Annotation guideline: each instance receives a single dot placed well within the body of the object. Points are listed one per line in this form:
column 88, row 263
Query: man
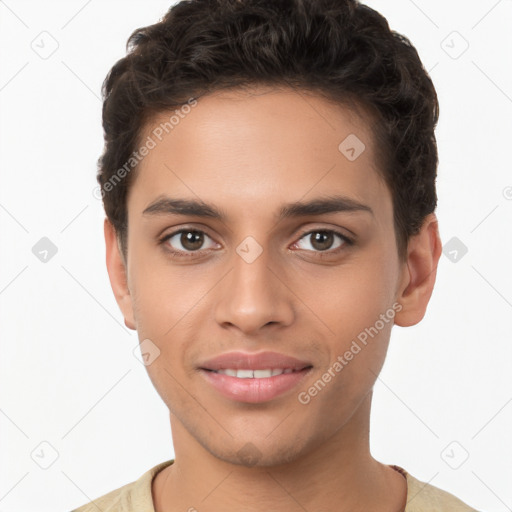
column 269, row 183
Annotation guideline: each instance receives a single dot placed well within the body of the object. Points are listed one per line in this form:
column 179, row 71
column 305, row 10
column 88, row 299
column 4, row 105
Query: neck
column 339, row 474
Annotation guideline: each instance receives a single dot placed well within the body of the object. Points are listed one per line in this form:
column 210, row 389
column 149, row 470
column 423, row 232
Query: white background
column 68, row 374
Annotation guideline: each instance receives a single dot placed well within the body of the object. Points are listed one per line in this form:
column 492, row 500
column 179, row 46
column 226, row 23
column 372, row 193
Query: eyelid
column 336, row 231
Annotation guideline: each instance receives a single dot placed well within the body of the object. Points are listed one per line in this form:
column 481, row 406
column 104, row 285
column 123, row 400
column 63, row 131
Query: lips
column 254, row 378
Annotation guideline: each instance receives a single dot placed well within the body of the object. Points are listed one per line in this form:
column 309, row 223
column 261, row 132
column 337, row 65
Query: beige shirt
column 137, row 497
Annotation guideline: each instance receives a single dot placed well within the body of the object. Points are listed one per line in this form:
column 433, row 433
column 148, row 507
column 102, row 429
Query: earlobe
column 423, row 253
column 118, row 275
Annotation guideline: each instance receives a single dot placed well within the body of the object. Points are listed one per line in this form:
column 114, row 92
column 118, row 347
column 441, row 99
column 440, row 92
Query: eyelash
column 193, row 254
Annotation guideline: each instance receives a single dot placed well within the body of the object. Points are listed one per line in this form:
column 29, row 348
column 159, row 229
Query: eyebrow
column 319, row 206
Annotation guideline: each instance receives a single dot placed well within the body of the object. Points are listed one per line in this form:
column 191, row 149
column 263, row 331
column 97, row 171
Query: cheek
column 352, row 296
column 164, row 315
column 162, row 294
column 356, row 302
column 169, row 308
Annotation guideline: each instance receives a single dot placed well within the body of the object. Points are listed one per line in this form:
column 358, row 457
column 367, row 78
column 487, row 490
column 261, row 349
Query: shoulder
column 135, row 496
column 423, row 497
column 108, row 502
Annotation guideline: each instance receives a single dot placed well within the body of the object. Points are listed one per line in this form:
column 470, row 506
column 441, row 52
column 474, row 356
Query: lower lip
column 254, row 390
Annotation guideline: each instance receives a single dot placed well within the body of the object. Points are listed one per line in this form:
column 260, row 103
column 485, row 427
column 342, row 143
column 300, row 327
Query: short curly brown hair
column 340, row 49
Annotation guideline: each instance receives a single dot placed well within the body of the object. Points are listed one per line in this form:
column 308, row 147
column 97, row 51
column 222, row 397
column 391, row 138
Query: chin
column 253, row 455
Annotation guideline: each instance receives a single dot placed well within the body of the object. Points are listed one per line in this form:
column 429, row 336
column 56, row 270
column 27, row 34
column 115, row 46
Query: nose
column 254, row 296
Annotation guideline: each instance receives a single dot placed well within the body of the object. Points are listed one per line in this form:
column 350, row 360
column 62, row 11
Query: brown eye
column 191, row 240
column 323, row 240
column 188, row 241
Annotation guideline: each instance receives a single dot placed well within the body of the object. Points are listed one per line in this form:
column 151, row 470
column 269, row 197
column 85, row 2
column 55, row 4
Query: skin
column 248, row 154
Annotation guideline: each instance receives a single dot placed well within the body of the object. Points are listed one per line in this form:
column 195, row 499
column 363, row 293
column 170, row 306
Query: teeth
column 262, row 374
column 253, row 374
column 244, row 374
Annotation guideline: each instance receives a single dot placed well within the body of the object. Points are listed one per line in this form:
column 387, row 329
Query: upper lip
column 253, row 361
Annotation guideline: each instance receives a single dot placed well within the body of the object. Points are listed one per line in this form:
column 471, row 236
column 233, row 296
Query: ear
column 117, row 274
column 419, row 273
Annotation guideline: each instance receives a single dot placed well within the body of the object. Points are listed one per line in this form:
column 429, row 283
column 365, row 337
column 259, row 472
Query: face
column 270, row 265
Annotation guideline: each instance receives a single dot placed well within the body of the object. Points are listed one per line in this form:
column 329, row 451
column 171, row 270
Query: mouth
column 254, row 377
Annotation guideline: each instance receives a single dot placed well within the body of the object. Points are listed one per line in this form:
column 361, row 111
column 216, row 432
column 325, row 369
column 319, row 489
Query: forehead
column 265, row 143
